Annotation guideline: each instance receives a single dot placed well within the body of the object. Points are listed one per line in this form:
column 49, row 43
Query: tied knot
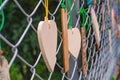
column 63, row 4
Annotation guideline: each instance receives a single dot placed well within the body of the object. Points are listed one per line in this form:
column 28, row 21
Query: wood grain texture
column 65, row 39
column 95, row 26
column 74, row 41
column 47, row 37
column 84, row 62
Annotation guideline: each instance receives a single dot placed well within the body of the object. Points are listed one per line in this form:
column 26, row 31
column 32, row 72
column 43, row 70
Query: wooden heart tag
column 83, row 46
column 113, row 18
column 74, row 41
column 65, row 39
column 95, row 26
column 47, row 37
column 110, row 40
column 108, row 7
column 4, row 69
column 103, row 18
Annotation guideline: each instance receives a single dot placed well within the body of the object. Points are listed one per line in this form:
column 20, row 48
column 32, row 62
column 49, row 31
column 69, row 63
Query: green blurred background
column 15, row 24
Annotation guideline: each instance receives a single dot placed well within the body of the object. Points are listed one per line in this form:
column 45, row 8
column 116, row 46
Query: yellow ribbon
column 46, row 9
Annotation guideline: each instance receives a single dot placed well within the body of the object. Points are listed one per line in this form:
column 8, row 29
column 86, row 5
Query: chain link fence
column 100, row 63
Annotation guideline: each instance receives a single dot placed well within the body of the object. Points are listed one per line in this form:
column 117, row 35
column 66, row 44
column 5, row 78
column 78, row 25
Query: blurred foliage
column 15, row 24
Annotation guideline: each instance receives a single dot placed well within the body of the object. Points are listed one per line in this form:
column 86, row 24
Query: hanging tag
column 103, row 18
column 47, row 37
column 113, row 18
column 4, row 69
column 65, row 39
column 74, row 41
column 95, row 27
column 110, row 40
column 83, row 42
column 108, row 7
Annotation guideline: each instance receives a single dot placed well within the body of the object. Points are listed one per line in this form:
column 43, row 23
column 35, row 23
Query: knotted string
column 63, row 5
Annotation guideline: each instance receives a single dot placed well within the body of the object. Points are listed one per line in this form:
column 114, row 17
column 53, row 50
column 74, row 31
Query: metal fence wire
column 100, row 63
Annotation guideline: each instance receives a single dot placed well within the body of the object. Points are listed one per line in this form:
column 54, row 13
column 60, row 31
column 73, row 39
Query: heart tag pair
column 74, row 41
column 4, row 69
column 47, row 37
column 95, row 26
column 71, row 40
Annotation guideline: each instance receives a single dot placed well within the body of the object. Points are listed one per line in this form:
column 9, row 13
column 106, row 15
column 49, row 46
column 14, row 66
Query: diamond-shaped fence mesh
column 23, row 52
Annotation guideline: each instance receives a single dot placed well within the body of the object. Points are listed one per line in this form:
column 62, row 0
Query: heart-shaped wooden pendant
column 103, row 18
column 4, row 69
column 65, row 39
column 47, row 37
column 110, row 40
column 108, row 7
column 83, row 49
column 95, row 26
column 113, row 18
column 74, row 41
